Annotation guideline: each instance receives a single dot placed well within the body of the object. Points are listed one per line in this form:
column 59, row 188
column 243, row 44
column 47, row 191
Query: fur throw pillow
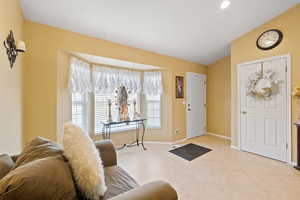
column 85, row 162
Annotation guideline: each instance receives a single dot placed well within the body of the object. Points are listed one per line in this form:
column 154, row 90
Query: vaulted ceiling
column 194, row 30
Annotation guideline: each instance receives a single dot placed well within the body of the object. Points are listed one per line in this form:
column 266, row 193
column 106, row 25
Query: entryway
column 264, row 122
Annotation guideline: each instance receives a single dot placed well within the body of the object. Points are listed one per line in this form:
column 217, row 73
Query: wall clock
column 269, row 39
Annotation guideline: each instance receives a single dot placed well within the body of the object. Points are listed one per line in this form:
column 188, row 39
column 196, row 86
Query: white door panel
column 196, row 104
column 263, row 122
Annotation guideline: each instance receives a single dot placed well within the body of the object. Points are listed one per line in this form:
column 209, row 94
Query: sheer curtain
column 83, row 79
column 106, row 80
column 152, row 84
column 80, row 84
column 80, row 77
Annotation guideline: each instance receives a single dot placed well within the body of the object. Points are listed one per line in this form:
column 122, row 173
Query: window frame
column 85, row 109
column 142, row 108
column 160, row 114
column 90, row 111
column 120, row 129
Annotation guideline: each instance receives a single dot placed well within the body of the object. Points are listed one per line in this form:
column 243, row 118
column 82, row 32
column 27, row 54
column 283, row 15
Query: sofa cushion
column 6, row 164
column 36, row 149
column 46, row 179
column 118, row 181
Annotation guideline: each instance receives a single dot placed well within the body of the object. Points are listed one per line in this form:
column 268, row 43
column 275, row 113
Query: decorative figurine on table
column 136, row 115
column 109, row 111
column 123, row 103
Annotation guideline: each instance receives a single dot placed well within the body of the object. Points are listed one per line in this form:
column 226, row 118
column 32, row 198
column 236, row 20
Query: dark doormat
column 190, row 151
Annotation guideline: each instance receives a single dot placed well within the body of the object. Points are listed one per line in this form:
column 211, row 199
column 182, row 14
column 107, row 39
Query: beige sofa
column 121, row 186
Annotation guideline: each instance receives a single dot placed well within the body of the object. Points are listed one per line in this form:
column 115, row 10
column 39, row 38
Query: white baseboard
column 220, row 136
column 234, row 147
column 289, row 163
column 167, row 143
column 184, row 139
column 180, row 141
column 157, row 142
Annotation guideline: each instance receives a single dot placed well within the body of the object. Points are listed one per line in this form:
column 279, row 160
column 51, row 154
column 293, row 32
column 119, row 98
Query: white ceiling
column 114, row 62
column 194, row 30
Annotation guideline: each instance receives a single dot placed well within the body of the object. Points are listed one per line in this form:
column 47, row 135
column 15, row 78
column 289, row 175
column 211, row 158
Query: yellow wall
column 218, row 97
column 10, row 80
column 41, row 76
column 244, row 49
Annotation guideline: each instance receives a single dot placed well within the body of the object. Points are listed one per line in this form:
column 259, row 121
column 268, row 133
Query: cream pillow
column 85, row 161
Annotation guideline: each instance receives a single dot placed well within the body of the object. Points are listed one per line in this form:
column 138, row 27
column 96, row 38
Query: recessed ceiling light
column 225, row 4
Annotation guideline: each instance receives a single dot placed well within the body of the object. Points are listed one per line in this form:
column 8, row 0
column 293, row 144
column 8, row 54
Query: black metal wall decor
column 11, row 48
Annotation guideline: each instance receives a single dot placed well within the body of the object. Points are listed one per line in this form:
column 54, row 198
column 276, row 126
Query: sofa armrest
column 107, row 152
column 152, row 191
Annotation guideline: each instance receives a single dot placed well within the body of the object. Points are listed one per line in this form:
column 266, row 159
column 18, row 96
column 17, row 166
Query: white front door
column 263, row 123
column 196, row 104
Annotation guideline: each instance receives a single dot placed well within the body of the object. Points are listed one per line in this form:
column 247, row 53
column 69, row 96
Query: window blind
column 153, row 111
column 79, row 110
column 101, row 110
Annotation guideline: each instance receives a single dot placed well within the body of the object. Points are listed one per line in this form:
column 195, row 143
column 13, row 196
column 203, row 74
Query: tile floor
column 222, row 174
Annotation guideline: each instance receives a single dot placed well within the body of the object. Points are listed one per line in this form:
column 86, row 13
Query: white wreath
column 262, row 85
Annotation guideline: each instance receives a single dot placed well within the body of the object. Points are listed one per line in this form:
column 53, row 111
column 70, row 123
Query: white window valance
column 107, row 80
column 152, row 84
column 83, row 79
column 80, row 77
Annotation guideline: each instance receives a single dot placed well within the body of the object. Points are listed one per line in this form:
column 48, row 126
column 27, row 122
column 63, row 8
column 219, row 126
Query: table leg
column 106, row 132
column 109, row 131
column 103, row 132
column 298, row 149
column 143, row 125
column 122, row 147
column 137, row 134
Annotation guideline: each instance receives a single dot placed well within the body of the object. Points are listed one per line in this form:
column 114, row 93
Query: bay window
column 91, row 88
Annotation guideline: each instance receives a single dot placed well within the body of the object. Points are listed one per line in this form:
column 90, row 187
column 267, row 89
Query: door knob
column 189, row 109
column 244, row 112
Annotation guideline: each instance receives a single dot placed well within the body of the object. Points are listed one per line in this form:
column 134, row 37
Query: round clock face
column 269, row 39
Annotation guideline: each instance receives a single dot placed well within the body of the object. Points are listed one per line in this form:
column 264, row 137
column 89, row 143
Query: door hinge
column 286, row 145
column 285, row 68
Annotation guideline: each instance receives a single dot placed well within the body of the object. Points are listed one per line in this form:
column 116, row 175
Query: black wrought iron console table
column 139, row 123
